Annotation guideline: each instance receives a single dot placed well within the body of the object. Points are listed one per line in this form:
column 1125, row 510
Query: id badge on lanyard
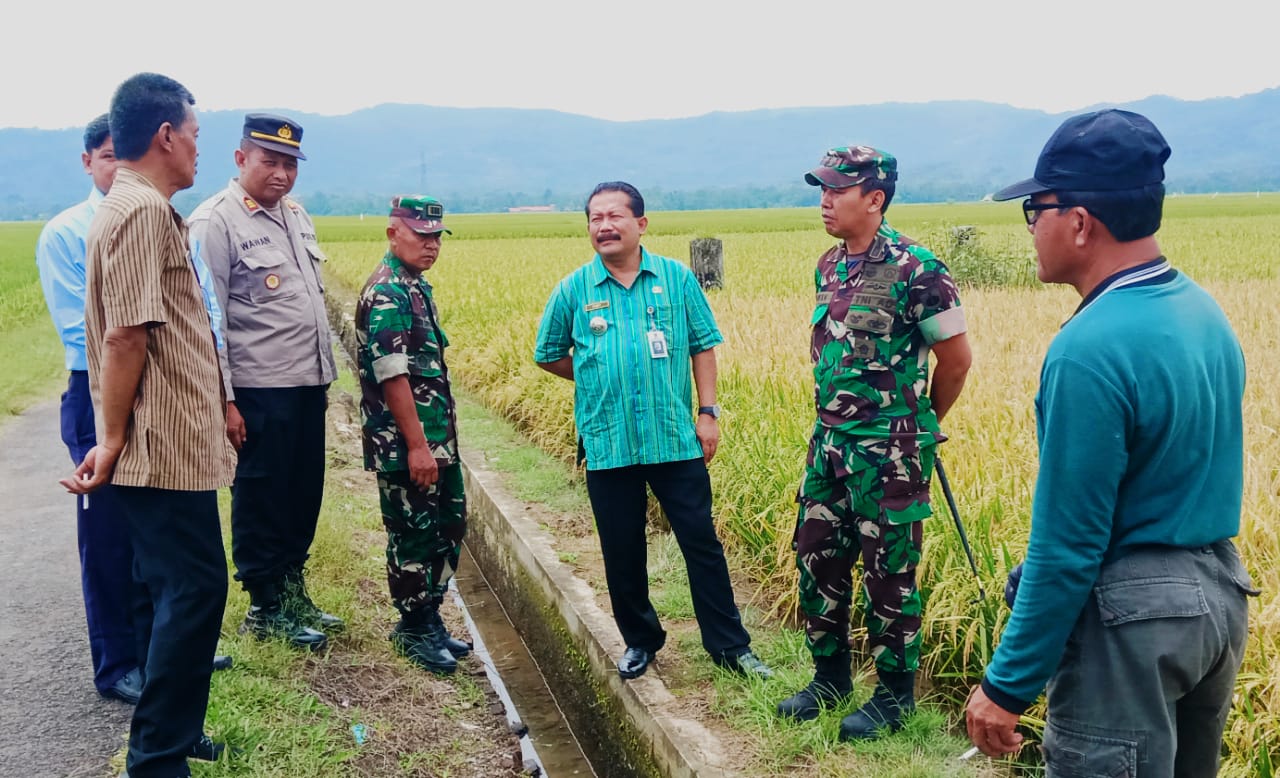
column 657, row 338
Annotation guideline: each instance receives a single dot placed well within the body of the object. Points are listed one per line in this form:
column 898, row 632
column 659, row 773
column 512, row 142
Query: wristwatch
column 711, row 410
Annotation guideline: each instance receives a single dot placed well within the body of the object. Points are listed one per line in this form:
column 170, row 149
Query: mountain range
column 490, row 159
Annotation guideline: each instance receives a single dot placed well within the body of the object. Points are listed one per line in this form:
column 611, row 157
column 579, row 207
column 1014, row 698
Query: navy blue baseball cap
column 1103, row 151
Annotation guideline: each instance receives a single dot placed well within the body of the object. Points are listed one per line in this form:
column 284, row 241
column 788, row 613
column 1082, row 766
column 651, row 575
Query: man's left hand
column 708, row 430
column 991, row 728
column 94, row 472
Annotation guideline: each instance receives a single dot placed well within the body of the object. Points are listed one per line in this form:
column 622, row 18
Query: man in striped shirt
column 626, row 329
column 157, row 395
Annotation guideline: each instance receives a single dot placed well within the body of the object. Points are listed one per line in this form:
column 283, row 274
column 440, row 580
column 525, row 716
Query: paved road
column 52, row 721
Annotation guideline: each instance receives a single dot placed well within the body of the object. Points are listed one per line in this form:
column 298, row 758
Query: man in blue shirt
column 626, row 329
column 1132, row 604
column 106, row 559
column 106, row 556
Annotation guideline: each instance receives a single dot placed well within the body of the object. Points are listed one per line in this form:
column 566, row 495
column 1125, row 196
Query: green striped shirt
column 630, row 407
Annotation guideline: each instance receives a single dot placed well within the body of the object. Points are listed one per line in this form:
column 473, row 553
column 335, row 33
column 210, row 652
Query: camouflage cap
column 424, row 215
column 277, row 133
column 846, row 166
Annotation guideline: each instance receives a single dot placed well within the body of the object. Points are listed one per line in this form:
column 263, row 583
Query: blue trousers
column 106, row 556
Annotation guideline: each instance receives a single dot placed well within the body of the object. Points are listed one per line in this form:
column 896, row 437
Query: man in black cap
column 261, row 249
column 1131, row 607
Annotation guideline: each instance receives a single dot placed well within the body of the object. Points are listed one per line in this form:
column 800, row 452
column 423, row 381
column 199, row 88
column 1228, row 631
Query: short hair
column 1129, row 214
column 888, row 187
column 636, row 201
column 96, row 133
column 140, row 105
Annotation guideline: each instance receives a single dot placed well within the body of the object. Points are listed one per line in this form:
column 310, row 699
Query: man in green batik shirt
column 883, row 303
column 632, row 330
column 410, row 431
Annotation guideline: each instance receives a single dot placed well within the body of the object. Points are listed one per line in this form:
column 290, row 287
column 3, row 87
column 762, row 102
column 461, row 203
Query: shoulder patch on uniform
column 250, row 204
column 292, row 205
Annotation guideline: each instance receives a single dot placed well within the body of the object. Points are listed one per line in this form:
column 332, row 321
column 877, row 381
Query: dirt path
column 52, row 721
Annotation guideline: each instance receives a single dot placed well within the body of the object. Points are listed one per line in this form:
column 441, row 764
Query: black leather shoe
column 127, row 689
column 634, row 662
column 222, row 662
column 746, row 663
column 206, row 750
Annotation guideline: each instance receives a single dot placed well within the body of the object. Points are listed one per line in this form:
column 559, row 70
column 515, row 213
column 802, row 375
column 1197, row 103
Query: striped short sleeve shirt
column 139, row 272
column 632, row 399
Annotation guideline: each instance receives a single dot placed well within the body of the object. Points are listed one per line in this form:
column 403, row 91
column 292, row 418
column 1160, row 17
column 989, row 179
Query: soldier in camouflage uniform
column 883, row 303
column 410, row 431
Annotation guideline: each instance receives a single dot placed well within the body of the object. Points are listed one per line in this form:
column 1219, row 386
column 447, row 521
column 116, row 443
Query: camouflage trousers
column 874, row 512
column 424, row 535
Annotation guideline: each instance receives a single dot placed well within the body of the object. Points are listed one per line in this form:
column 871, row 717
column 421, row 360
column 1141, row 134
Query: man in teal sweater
column 1132, row 604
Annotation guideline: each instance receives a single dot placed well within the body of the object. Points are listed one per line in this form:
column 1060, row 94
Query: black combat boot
column 893, row 699
column 267, row 617
column 451, row 644
column 300, row 607
column 418, row 640
column 831, row 684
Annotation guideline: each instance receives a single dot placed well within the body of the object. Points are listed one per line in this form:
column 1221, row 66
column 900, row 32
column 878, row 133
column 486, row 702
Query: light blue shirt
column 632, row 402
column 60, row 253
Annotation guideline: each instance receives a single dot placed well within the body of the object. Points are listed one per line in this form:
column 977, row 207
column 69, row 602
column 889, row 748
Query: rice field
column 494, row 277
column 491, row 289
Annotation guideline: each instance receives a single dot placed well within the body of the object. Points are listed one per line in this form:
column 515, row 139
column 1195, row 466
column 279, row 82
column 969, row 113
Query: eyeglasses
column 1031, row 211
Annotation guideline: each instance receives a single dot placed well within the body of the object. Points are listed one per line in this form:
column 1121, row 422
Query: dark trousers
column 275, row 500
column 683, row 489
column 106, row 556
column 1145, row 683
column 178, row 558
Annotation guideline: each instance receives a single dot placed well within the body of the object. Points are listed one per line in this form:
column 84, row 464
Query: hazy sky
column 636, row 59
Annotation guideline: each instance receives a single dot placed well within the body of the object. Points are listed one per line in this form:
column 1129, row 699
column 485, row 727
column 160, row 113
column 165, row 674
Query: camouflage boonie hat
column 424, row 215
column 847, row 166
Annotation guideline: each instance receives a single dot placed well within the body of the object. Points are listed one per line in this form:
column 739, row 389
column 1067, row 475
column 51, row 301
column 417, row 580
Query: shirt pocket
column 318, row 258
column 427, row 361
column 672, row 320
column 268, row 276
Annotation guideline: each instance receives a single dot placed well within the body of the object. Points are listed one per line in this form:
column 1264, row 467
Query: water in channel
column 557, row 748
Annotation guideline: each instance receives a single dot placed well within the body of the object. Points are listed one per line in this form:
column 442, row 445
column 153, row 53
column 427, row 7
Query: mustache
column 608, row 236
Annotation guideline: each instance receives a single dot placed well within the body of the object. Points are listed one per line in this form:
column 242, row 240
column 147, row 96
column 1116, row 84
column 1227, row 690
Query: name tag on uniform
column 589, row 307
column 874, row 301
column 657, row 344
column 824, row 298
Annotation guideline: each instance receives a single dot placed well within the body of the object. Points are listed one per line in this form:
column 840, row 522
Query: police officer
column 261, row 248
column 883, row 302
column 410, row 431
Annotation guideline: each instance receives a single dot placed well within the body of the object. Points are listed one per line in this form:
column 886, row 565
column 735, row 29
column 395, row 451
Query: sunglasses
column 1031, row 211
